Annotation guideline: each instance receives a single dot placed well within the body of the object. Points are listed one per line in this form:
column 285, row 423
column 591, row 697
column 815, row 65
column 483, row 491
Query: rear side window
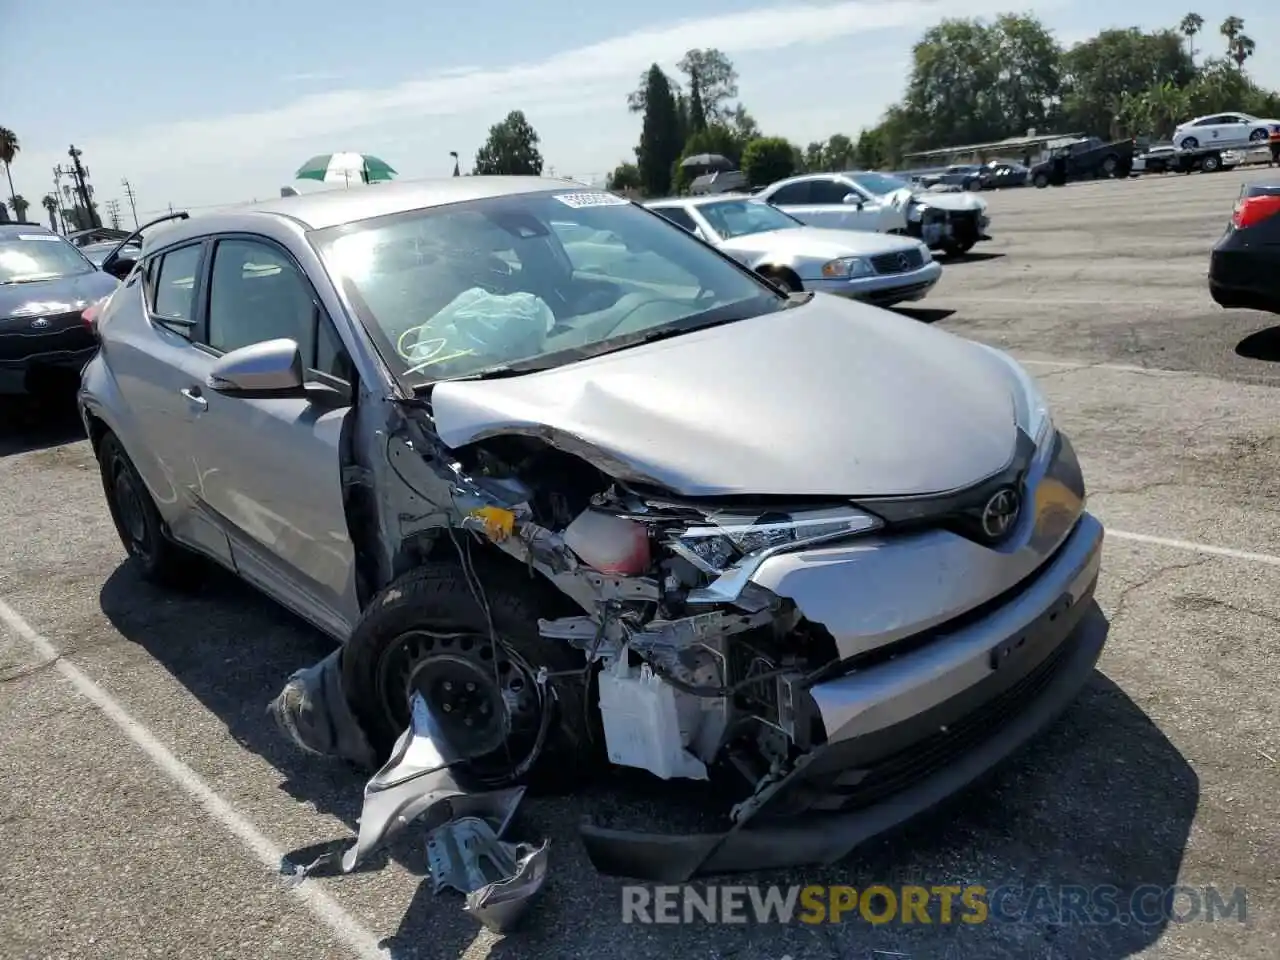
column 679, row 216
column 828, row 191
column 175, row 283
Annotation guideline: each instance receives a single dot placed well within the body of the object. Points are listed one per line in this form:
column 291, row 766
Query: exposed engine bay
column 696, row 665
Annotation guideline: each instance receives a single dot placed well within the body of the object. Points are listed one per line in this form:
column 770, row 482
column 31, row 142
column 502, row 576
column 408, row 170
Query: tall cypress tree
column 660, row 139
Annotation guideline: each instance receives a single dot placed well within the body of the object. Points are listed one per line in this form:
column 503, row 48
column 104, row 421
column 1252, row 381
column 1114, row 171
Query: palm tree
column 9, row 147
column 1191, row 24
column 1242, row 47
column 18, row 204
column 1231, row 28
column 50, row 204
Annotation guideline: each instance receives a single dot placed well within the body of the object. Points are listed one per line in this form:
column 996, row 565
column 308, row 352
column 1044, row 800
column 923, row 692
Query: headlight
column 725, row 539
column 1031, row 409
column 846, row 268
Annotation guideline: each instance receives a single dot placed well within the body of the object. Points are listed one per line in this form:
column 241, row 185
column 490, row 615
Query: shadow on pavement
column 1262, row 345
column 1102, row 799
column 924, row 314
column 972, row 257
column 28, row 424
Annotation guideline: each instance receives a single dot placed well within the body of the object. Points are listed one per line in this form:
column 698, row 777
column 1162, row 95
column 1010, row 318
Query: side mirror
column 272, row 368
column 118, row 267
column 852, row 200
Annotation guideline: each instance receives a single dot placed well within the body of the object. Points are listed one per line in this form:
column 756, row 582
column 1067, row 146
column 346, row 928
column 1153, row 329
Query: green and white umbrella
column 345, row 168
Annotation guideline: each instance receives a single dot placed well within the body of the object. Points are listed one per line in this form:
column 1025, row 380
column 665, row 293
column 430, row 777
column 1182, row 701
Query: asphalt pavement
column 146, row 801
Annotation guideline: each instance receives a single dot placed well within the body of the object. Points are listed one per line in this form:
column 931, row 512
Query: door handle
column 193, row 397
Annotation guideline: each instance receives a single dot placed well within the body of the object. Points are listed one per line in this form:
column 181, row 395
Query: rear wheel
column 1110, row 165
column 1259, row 136
column 138, row 522
column 1211, row 163
column 958, row 249
column 1190, row 143
column 1040, row 181
column 427, row 634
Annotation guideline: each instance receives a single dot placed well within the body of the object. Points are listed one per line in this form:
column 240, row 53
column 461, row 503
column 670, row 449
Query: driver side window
column 828, row 191
column 257, row 293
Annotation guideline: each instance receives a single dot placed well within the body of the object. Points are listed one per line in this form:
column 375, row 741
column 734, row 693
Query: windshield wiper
column 499, row 372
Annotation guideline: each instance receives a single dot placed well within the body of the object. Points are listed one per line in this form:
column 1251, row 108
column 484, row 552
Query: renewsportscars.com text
column 937, row 904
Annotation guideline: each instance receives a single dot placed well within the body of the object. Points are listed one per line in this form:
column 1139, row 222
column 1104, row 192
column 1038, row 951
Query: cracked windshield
column 519, row 279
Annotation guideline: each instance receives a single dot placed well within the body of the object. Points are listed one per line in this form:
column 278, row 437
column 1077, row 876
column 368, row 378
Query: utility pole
column 133, row 199
column 79, row 173
column 171, row 206
column 58, row 174
column 456, row 171
column 113, row 211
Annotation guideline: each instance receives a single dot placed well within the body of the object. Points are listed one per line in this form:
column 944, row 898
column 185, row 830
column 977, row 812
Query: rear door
column 154, row 363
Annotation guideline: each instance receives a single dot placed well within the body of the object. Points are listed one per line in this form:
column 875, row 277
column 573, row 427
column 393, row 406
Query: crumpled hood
column 831, row 398
column 817, row 243
column 961, row 202
column 61, row 295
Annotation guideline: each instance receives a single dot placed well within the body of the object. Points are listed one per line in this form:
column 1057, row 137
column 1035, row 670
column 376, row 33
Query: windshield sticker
column 38, row 236
column 588, row 198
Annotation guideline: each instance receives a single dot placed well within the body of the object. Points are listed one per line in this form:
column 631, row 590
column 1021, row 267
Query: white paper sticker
column 592, row 198
column 38, row 236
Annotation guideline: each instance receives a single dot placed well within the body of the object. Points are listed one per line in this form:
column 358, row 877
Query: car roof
column 331, row 208
column 9, row 229
column 700, row 200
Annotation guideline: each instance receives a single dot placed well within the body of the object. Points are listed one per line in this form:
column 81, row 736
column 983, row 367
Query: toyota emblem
column 1001, row 513
column 904, row 262
column 40, row 323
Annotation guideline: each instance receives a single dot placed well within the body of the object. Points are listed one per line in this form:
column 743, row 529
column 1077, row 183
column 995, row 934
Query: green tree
column 697, row 114
column 815, row 157
column 1100, row 72
column 512, row 148
column 972, row 80
column 713, row 80
column 839, row 153
column 9, row 148
column 1242, row 48
column 660, row 135
column 50, row 204
column 1231, row 28
column 767, row 159
column 18, row 204
column 869, row 152
column 625, row 176
column 1191, row 24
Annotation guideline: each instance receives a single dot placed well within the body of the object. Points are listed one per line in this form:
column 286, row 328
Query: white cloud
column 220, row 158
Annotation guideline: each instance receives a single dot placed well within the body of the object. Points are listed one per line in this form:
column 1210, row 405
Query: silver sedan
column 879, row 268
column 584, row 508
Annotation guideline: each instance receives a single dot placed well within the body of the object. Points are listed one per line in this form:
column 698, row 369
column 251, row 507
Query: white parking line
column 1267, row 558
column 963, row 300
column 361, row 942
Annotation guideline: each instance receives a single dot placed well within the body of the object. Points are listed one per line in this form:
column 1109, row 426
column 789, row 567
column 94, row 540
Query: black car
column 1245, row 263
column 46, row 284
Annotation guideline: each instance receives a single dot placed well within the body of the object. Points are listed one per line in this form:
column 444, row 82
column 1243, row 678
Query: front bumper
column 883, row 289
column 16, row 373
column 923, row 704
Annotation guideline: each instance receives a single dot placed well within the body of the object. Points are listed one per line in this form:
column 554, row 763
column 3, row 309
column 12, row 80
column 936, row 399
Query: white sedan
column 879, row 268
column 868, row 200
column 1223, row 130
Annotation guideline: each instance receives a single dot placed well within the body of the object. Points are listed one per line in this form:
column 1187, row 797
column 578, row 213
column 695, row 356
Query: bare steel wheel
column 427, row 633
column 485, row 698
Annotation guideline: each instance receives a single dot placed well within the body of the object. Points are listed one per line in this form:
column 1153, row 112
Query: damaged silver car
column 596, row 494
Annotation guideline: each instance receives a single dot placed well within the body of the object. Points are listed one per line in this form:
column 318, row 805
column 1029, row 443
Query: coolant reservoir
column 609, row 544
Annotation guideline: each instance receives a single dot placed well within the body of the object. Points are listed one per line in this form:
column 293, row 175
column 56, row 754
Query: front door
column 272, row 468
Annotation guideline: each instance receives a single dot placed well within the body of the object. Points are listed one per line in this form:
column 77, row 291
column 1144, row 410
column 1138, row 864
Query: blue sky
column 208, row 103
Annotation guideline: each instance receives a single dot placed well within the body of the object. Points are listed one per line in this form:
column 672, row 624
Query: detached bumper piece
column 843, row 794
column 423, row 781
